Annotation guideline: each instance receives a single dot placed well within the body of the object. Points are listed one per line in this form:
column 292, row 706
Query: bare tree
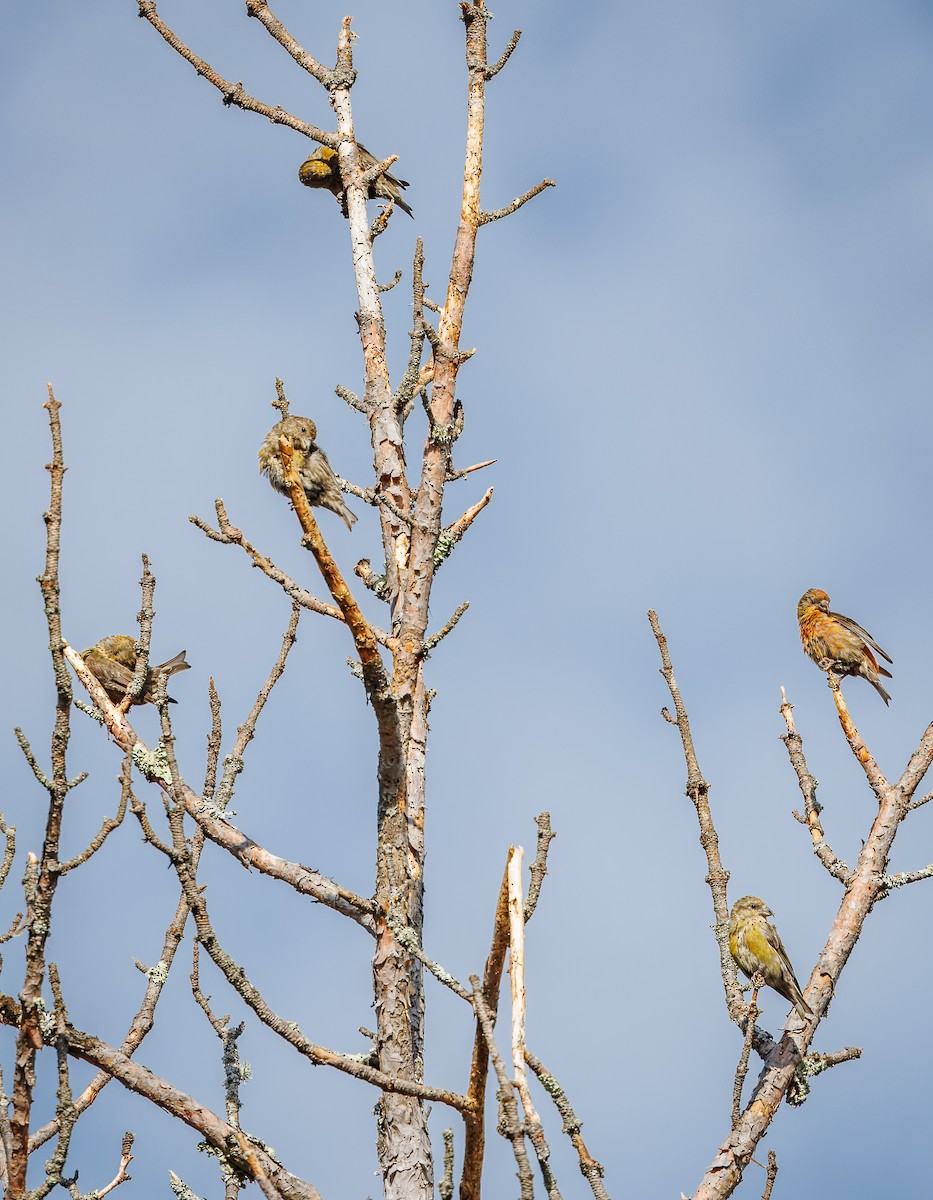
column 389, row 662
column 788, row 1062
column 177, row 818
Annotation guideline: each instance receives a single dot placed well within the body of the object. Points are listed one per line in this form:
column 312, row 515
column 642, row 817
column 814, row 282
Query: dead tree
column 789, row 1062
column 177, row 818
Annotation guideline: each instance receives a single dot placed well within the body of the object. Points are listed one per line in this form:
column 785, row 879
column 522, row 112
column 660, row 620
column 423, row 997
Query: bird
column 321, row 170
column 112, row 661
column 310, row 463
column 837, row 644
column 755, row 945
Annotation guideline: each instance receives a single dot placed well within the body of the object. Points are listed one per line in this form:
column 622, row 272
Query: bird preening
column 757, row 949
column 309, row 462
column 112, row 661
column 837, row 644
column 322, row 170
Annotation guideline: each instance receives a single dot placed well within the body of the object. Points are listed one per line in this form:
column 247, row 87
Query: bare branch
column 261, row 11
column 698, row 791
column 408, row 937
column 452, row 475
column 770, row 1175
column 453, row 533
column 108, row 825
column 436, row 638
column 445, row 1186
column 538, row 868
column 506, row 54
column 233, row 763
column 742, row 1069
column 812, row 808
column 496, row 214
column 233, row 93
column 352, row 399
column 591, row 1169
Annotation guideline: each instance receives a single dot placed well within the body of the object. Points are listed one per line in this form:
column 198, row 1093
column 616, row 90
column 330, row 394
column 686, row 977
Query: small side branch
column 435, row 639
column 492, row 71
column 230, row 535
column 233, row 764
column 902, row 878
column 814, row 1064
column 108, row 825
column 496, row 214
column 591, row 1169
column 742, row 1069
column 261, row 11
column 538, row 868
column 453, row 475
column 449, row 537
column 698, row 791
column 770, row 1175
column 812, row 808
column 445, row 1187
column 233, row 93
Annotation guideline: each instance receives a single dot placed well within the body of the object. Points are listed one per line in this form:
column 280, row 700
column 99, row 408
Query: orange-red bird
column 837, row 644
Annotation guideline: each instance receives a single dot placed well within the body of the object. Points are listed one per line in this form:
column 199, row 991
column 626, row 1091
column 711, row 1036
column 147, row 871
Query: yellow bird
column 321, row 170
column 756, row 947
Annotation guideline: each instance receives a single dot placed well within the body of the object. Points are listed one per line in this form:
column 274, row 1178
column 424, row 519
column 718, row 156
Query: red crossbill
column 321, row 170
column 837, row 644
column 755, row 945
column 310, row 463
column 113, row 660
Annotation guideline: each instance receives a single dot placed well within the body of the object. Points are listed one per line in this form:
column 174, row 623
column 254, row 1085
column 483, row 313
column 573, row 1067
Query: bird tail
column 174, row 665
column 349, row 518
column 876, row 684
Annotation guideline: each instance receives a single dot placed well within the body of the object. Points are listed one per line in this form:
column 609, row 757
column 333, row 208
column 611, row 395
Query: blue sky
column 703, row 366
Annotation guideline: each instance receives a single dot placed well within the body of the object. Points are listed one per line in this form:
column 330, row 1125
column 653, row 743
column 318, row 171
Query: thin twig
column 462, row 474
column 496, row 214
column 445, row 1186
column 590, row 1168
column 233, row 93
column 233, row 763
column 697, row 790
column 742, row 1069
column 491, row 72
column 538, row 868
column 449, row 537
column 812, row 808
column 770, row 1175
column 509, row 1125
column 435, row 639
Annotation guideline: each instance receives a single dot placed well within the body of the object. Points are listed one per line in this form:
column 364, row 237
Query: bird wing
column 854, row 627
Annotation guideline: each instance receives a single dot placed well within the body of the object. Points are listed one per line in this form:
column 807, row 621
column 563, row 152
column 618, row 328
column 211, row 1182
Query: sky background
column 703, row 365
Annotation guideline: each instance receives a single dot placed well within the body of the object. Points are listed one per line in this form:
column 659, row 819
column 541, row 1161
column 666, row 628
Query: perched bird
column 837, row 644
column 321, row 170
column 112, row 661
column 310, row 462
column 755, row 945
